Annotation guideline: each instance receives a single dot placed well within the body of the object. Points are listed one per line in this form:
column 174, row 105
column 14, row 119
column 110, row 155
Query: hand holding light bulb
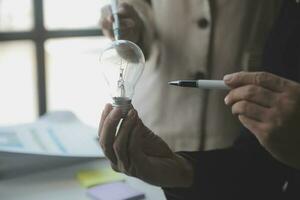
column 136, row 151
column 131, row 25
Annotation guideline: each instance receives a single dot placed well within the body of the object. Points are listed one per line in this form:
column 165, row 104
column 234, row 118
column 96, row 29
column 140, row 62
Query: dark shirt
column 247, row 170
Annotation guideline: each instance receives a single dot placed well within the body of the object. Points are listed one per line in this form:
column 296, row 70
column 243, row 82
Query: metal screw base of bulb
column 123, row 103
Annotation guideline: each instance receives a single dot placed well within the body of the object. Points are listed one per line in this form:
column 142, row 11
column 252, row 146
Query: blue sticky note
column 115, row 191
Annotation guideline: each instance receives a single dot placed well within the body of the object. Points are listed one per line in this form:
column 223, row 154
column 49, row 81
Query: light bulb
column 122, row 64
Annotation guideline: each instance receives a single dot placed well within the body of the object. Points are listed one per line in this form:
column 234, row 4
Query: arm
column 245, row 170
column 269, row 106
column 136, row 151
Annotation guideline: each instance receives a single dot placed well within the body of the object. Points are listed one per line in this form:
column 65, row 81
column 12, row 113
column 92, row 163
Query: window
column 80, row 14
column 74, row 81
column 16, row 15
column 49, row 57
column 18, row 100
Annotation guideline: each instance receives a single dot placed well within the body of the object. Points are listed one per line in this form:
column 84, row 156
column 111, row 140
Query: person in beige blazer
column 192, row 39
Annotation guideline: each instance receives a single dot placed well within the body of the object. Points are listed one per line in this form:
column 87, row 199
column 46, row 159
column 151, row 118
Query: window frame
column 38, row 35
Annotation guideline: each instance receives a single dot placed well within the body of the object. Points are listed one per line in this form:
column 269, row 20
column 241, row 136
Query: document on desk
column 58, row 136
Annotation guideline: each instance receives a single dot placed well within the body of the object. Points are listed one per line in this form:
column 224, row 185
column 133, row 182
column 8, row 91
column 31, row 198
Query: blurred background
column 49, row 55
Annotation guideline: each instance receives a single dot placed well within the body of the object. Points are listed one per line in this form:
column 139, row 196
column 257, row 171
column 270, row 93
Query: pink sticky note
column 115, row 191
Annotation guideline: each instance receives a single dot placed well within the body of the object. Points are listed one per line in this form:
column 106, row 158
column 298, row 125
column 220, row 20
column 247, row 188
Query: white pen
column 202, row 84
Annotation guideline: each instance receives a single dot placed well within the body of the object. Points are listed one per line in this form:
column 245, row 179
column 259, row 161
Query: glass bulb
column 122, row 64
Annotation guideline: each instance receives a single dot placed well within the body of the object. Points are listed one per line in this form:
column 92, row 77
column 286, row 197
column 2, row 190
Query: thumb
column 153, row 145
column 135, row 144
column 156, row 147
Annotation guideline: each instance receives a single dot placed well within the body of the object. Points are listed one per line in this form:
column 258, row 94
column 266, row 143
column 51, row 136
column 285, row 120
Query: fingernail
column 226, row 100
column 228, row 77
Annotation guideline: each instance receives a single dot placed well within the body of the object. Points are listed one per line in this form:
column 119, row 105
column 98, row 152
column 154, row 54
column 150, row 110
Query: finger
column 259, row 129
column 114, row 167
column 105, row 113
column 125, row 24
column 108, row 132
column 121, row 142
column 124, row 10
column 106, row 24
column 109, row 34
column 264, row 79
column 106, row 27
column 252, row 93
column 137, row 157
column 105, row 13
column 251, row 110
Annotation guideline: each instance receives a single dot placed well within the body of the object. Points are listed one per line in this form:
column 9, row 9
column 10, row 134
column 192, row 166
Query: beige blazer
column 193, row 39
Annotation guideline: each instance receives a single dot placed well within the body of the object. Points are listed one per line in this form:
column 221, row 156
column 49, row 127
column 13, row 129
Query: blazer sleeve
column 145, row 11
column 245, row 168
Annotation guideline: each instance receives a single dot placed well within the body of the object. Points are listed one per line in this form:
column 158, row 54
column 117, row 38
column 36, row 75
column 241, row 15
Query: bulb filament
column 121, row 79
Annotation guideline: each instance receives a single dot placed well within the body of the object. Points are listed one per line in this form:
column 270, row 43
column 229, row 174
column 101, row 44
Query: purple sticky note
column 115, row 191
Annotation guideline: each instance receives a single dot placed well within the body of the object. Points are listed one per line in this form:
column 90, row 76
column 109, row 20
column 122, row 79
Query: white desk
column 61, row 184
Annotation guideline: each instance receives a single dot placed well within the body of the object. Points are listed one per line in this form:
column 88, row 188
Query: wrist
column 186, row 174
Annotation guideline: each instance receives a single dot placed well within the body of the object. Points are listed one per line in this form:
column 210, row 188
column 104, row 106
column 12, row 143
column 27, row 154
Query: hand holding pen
column 129, row 25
